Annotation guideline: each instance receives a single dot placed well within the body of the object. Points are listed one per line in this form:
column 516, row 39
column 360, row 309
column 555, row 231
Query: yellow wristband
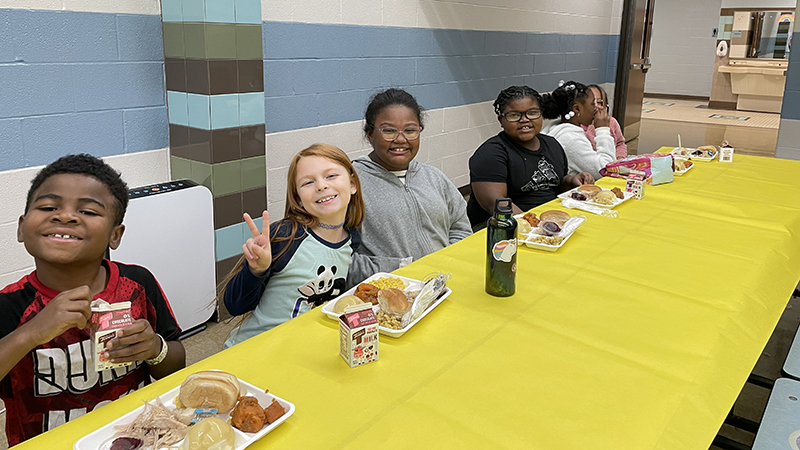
column 161, row 355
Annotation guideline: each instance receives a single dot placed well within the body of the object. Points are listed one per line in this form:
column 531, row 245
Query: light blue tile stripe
column 171, row 11
column 228, row 241
column 319, row 74
column 248, row 11
column 220, row 11
column 215, row 112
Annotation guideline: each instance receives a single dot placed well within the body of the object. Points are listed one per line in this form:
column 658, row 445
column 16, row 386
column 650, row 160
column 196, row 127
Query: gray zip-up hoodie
column 412, row 220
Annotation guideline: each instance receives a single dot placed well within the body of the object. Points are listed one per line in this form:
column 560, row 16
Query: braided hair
column 512, row 93
column 558, row 104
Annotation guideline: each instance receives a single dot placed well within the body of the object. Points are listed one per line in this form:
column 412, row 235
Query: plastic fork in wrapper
column 575, row 204
column 433, row 286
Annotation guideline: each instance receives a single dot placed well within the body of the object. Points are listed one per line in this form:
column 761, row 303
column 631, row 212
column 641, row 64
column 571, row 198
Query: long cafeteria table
column 638, row 334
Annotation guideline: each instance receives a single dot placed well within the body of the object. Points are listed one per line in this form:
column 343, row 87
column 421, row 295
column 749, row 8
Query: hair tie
column 569, row 87
column 569, row 115
column 560, row 83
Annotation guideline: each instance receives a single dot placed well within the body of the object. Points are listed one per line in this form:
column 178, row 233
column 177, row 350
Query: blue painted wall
column 77, row 81
column 320, row 74
column 791, row 95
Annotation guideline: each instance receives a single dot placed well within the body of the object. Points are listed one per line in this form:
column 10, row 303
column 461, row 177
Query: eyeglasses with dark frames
column 516, row 116
column 390, row 134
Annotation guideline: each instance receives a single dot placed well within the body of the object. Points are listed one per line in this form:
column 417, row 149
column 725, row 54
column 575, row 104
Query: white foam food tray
column 411, row 284
column 681, row 172
column 617, row 201
column 101, row 438
column 540, row 245
column 677, row 152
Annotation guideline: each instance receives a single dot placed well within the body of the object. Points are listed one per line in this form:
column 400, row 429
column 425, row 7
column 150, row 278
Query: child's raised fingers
column 251, row 225
column 259, row 252
column 246, row 250
column 264, row 220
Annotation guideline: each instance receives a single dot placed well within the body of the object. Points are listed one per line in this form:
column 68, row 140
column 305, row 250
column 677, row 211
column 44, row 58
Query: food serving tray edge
column 327, row 308
column 100, row 438
column 625, row 197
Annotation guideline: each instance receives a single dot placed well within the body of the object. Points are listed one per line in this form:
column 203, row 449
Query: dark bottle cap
column 502, row 207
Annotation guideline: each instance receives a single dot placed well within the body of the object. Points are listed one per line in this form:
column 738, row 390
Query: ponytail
column 558, row 104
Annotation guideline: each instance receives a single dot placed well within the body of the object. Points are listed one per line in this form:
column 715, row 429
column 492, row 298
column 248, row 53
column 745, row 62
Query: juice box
column 107, row 318
column 358, row 335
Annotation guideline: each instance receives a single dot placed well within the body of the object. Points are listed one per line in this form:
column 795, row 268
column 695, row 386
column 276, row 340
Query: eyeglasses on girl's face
column 516, row 116
column 390, row 134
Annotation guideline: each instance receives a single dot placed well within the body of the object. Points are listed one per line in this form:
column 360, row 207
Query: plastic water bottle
column 501, row 250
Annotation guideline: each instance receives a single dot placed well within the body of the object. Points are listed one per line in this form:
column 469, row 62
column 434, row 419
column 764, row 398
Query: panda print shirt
column 309, row 273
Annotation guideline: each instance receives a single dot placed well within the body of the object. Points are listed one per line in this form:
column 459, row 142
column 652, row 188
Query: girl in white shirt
column 573, row 105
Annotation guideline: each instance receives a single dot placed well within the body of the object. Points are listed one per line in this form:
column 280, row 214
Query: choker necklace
column 325, row 226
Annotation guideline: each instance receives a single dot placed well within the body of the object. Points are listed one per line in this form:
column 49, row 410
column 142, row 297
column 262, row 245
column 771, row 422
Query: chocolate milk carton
column 358, row 335
column 107, row 318
column 635, row 184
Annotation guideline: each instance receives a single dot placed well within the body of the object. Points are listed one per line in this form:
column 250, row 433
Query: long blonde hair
column 294, row 213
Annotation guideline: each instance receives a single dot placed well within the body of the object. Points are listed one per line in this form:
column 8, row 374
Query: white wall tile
column 143, row 168
column 150, row 7
column 363, row 12
column 14, row 253
column 482, row 114
column 278, row 11
column 434, row 121
column 317, row 11
column 398, row 13
column 456, row 118
column 276, row 189
column 276, row 210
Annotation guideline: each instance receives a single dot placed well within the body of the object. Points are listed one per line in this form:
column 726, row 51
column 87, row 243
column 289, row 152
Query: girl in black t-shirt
column 518, row 163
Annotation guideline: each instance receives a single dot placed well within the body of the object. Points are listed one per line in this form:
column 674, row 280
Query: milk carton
column 635, row 184
column 358, row 335
column 725, row 152
column 107, row 318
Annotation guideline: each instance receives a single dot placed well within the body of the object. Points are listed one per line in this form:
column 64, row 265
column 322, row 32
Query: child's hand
column 257, row 250
column 68, row 309
column 601, row 118
column 136, row 342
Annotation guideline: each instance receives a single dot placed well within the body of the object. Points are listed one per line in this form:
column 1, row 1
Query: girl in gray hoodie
column 411, row 208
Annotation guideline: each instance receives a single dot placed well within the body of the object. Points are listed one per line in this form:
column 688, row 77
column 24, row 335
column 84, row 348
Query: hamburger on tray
column 597, row 196
column 211, row 410
column 398, row 302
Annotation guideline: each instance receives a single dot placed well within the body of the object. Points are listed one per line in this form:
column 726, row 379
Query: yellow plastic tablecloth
column 638, row 334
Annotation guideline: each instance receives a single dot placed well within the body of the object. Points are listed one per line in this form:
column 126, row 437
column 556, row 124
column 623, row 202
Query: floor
column 756, row 136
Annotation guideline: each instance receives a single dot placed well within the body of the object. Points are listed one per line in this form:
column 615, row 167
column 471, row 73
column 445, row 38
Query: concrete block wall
column 323, row 59
column 789, row 134
column 682, row 50
column 77, row 76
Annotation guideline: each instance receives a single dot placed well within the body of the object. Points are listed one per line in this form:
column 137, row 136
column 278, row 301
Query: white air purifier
column 169, row 229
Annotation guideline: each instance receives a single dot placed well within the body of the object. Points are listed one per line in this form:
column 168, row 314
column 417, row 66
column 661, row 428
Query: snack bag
column 107, row 318
column 657, row 168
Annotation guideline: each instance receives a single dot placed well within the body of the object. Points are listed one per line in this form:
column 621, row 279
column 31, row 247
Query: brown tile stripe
column 213, row 77
column 223, row 267
column 228, row 209
column 217, row 146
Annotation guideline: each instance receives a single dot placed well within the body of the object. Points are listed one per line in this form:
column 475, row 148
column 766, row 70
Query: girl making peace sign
column 303, row 261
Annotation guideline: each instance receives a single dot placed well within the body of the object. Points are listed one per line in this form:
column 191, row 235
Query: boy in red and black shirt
column 74, row 211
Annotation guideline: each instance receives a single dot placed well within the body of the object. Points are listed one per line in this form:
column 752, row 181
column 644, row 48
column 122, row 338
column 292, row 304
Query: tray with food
column 211, row 410
column 399, row 302
column 682, row 166
column 549, row 231
column 597, row 196
column 704, row 153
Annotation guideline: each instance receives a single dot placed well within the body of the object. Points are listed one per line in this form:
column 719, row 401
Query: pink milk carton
column 635, row 184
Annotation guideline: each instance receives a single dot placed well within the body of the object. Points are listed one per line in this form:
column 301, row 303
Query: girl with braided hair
column 519, row 163
column 601, row 100
column 572, row 104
